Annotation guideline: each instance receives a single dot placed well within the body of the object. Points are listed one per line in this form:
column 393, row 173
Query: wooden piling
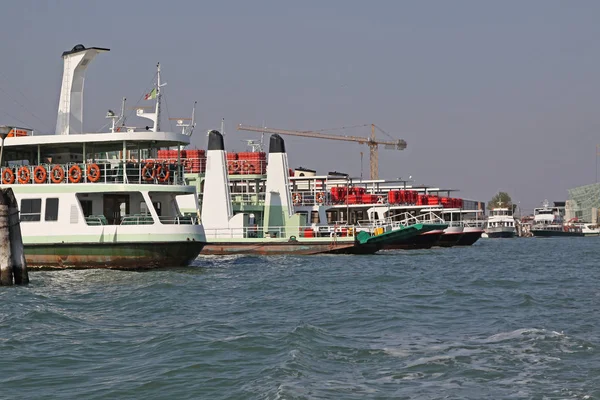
column 13, row 267
column 6, row 265
column 21, row 275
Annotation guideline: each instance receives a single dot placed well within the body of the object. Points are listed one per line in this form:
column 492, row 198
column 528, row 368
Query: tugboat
column 500, row 223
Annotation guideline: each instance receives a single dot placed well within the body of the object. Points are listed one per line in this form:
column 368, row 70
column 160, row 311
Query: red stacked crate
column 335, row 194
column 368, row 198
column 233, row 165
column 352, row 199
column 163, row 154
column 414, row 196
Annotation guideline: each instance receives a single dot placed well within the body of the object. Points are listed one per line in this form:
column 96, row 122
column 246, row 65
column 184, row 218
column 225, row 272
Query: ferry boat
column 336, row 198
column 92, row 200
column 500, row 223
column 274, row 226
column 549, row 221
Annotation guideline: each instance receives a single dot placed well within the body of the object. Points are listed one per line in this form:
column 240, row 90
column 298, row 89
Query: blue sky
column 489, row 95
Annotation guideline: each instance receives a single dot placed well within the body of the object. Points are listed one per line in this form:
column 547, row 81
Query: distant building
column 583, row 203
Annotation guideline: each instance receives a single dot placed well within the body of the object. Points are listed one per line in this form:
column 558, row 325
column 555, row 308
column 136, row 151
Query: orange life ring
column 297, row 198
column 248, row 168
column 235, row 166
column 40, row 174
column 24, row 174
column 162, row 173
column 148, row 172
column 75, row 174
column 93, row 172
column 57, row 174
column 320, row 197
column 8, row 176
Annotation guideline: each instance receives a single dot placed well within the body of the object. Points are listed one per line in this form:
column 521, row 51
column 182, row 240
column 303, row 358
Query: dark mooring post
column 13, row 268
column 21, row 275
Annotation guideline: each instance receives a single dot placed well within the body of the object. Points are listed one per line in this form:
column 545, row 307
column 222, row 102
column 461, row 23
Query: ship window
column 314, row 217
column 157, row 206
column 31, row 209
column 86, row 206
column 51, row 209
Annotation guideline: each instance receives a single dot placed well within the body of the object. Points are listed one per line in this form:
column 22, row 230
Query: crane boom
column 372, row 142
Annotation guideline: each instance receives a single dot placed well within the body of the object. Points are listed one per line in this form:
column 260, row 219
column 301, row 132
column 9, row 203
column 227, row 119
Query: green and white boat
column 91, row 200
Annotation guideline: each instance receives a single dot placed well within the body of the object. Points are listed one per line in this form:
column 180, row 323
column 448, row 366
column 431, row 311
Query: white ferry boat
column 500, row 223
column 549, row 221
column 92, row 200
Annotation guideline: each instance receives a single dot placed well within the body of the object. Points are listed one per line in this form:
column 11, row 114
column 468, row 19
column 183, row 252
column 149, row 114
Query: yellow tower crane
column 372, row 142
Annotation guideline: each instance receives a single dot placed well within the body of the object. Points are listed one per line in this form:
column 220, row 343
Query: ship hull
column 450, row 237
column 130, row 256
column 501, row 234
column 363, row 243
column 295, row 248
column 469, row 237
column 551, row 233
column 423, row 241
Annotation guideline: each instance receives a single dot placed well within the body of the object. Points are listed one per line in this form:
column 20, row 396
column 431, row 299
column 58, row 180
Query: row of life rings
column 57, row 174
column 152, row 171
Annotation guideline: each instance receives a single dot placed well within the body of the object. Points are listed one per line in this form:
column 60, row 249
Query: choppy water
column 504, row 319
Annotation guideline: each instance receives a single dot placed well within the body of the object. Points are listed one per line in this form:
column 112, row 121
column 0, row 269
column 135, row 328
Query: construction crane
column 372, row 142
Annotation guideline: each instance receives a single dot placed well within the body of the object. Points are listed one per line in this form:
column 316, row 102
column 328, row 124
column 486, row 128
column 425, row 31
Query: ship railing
column 179, row 220
column 108, row 171
column 96, row 220
column 311, row 197
column 455, row 224
column 275, row 232
column 248, row 198
column 474, row 223
column 405, row 219
column 142, row 219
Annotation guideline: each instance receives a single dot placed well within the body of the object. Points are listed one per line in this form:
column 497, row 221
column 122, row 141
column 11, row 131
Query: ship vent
column 74, row 214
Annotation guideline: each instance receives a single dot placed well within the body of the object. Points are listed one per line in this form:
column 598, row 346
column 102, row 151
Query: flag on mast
column 151, row 95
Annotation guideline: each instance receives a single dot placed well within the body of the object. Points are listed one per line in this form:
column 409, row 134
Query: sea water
column 502, row 319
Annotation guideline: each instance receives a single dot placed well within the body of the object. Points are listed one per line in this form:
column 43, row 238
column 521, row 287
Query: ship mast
column 158, row 96
column 154, row 116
